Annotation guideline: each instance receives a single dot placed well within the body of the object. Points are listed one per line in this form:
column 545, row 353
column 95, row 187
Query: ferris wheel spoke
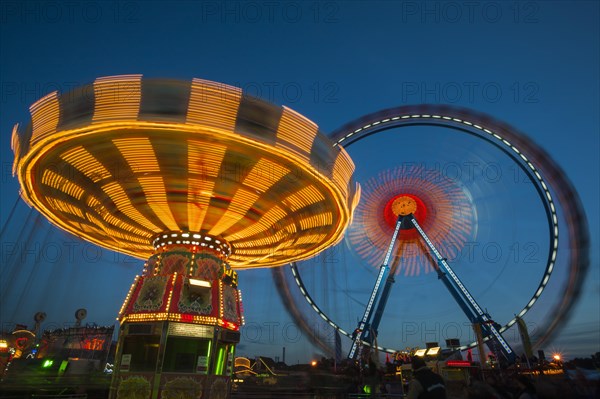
column 452, row 223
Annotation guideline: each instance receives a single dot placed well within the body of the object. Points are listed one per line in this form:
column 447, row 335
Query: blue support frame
column 465, row 300
column 367, row 330
column 363, row 331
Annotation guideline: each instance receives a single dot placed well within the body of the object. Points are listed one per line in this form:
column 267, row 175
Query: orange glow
column 117, row 98
column 194, row 171
column 265, row 174
column 449, row 219
column 298, row 131
column 128, row 297
column 15, row 145
column 81, row 159
column 44, row 116
column 177, row 317
column 204, row 163
column 306, row 196
column 221, row 301
column 321, row 219
column 95, row 344
column 213, row 104
column 343, row 168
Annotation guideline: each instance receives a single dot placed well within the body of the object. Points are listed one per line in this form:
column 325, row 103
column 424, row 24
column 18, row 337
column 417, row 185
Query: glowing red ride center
column 404, row 204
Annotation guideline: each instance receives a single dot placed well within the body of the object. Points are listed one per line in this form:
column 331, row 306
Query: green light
column 367, row 389
column 63, row 367
column 219, row 368
column 230, row 359
column 47, row 363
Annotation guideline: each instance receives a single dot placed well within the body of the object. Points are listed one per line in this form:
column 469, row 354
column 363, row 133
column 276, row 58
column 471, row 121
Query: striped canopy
column 123, row 160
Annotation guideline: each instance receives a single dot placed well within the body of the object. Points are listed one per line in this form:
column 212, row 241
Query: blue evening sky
column 534, row 65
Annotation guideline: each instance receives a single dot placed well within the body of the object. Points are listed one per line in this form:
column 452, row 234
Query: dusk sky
column 533, row 65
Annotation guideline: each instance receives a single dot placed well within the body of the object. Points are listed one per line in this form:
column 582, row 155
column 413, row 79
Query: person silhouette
column 425, row 384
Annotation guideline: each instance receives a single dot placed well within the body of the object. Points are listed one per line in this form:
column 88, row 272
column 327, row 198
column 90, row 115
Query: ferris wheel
column 452, row 194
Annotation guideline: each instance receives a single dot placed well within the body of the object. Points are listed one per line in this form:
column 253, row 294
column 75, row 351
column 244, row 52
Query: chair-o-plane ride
column 199, row 179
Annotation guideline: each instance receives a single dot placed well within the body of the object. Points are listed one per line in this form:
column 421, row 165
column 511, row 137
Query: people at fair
column 426, row 384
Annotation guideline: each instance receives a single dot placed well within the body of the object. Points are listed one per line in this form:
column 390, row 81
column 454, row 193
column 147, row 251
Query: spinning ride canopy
column 128, row 162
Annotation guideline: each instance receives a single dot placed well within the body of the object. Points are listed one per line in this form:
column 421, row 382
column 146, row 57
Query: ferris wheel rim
column 476, row 124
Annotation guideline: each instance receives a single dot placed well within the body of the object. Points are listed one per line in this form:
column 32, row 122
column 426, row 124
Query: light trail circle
column 128, row 158
column 442, row 206
column 531, row 159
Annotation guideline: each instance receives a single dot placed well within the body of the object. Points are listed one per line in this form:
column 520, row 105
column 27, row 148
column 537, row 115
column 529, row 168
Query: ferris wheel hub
column 404, row 205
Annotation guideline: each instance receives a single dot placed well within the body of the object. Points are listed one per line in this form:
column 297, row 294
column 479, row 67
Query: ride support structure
column 465, row 300
column 367, row 330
